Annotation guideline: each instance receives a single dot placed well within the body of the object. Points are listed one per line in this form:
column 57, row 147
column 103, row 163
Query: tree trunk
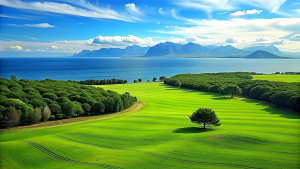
column 232, row 95
column 204, row 125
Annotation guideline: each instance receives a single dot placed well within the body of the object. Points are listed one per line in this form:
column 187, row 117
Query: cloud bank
column 245, row 12
column 78, row 8
column 121, row 41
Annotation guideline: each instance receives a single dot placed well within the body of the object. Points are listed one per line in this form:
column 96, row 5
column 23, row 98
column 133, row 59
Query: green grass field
column 282, row 78
column 160, row 135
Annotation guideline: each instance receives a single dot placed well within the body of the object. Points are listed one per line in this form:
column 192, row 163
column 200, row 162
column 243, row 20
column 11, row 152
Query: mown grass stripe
column 64, row 159
column 160, row 156
column 14, row 156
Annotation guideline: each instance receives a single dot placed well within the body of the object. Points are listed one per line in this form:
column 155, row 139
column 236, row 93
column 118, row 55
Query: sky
column 65, row 27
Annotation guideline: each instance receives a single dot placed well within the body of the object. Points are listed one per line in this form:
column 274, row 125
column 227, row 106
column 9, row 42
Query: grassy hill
column 281, row 78
column 160, row 135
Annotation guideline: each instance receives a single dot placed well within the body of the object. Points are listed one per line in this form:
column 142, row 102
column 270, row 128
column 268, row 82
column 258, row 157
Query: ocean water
column 68, row 68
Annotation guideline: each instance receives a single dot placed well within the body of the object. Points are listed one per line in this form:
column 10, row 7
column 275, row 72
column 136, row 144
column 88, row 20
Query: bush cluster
column 281, row 94
column 26, row 102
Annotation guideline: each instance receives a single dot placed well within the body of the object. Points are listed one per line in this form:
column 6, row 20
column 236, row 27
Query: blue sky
column 64, row 27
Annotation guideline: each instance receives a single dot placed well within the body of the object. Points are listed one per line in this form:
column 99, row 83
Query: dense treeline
column 281, row 94
column 102, row 82
column 24, row 102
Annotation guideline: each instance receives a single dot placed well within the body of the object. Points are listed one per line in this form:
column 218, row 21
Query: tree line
column 24, row 102
column 281, row 94
column 102, row 82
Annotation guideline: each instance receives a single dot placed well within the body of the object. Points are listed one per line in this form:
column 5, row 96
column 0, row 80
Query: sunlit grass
column 282, row 78
column 160, row 135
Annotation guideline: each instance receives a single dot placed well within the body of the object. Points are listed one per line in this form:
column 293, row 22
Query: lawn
column 282, row 78
column 160, row 135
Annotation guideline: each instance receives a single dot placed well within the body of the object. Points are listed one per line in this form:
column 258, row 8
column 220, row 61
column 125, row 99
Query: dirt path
column 133, row 108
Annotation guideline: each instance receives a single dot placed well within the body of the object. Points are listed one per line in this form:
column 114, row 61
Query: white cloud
column 75, row 7
column 203, row 41
column 251, row 31
column 297, row 10
column 27, row 50
column 222, row 13
column 245, row 12
column 39, row 25
column 177, row 40
column 225, row 5
column 16, row 48
column 54, row 47
column 133, row 9
column 262, row 39
column 121, row 41
column 231, row 40
column 206, row 5
column 161, row 11
column 295, row 37
column 246, row 28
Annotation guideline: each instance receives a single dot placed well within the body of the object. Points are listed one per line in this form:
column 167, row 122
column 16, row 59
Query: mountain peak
column 261, row 54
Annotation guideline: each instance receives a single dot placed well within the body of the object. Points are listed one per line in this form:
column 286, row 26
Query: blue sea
column 69, row 68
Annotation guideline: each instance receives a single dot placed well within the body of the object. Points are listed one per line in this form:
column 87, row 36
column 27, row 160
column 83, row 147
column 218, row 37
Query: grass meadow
column 282, row 78
column 160, row 135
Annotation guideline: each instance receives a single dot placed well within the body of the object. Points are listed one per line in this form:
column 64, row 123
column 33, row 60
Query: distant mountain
column 169, row 49
column 229, row 51
column 271, row 49
column 164, row 49
column 260, row 54
column 194, row 50
column 134, row 50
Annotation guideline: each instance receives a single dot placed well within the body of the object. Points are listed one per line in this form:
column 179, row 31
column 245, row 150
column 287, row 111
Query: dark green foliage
column 34, row 116
column 11, row 117
column 282, row 94
column 59, row 116
column 177, row 83
column 205, row 116
column 13, row 77
column 98, row 108
column 63, row 99
column 232, row 89
column 154, row 79
column 102, row 82
column 162, row 78
column 55, row 108
column 51, row 96
column 258, row 92
column 86, row 107
column 135, row 81
column 140, row 80
column 52, row 117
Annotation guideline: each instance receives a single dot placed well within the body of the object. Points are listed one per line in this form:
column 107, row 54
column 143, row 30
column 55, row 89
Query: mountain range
column 169, row 49
column 134, row 50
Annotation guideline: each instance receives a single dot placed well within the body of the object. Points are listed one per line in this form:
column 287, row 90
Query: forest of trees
column 24, row 102
column 101, row 82
column 281, row 94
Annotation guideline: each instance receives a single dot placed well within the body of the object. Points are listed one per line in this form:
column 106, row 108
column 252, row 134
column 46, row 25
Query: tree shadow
column 221, row 98
column 189, row 130
column 272, row 109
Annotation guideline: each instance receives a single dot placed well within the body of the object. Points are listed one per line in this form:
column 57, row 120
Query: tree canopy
column 24, row 102
column 281, row 94
column 232, row 89
column 205, row 116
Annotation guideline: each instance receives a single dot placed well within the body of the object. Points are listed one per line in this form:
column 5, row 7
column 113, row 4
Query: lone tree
column 205, row 116
column 140, row 80
column 154, row 79
column 232, row 89
column 162, row 78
